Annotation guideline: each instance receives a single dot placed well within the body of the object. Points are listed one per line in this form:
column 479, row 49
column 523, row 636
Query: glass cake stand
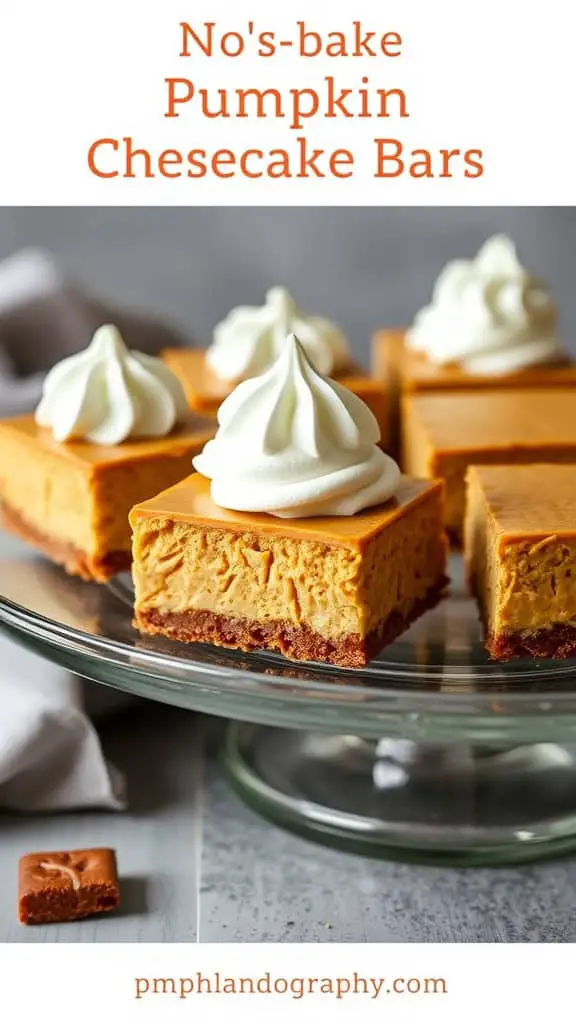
column 431, row 753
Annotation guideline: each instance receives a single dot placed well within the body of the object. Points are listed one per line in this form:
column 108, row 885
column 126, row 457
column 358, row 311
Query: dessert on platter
column 249, row 340
column 490, row 324
column 298, row 533
column 444, row 433
column 112, row 427
column 520, row 552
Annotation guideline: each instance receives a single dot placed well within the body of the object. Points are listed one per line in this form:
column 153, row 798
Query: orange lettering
column 205, row 46
column 92, row 154
column 341, row 157
column 166, row 159
column 223, row 157
column 173, row 98
column 244, row 163
column 473, row 159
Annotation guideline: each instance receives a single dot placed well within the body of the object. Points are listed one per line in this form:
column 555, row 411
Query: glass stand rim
column 252, row 765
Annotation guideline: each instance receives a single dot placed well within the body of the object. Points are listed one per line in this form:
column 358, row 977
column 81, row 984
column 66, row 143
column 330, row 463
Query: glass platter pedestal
column 432, row 753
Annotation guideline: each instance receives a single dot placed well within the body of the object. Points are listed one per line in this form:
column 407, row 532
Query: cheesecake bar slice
column 443, row 434
column 71, row 499
column 333, row 589
column 520, row 553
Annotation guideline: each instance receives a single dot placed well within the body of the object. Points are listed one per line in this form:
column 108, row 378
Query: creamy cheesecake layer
column 536, row 584
column 49, row 493
column 275, row 571
column 77, row 503
column 520, row 547
column 180, row 566
column 72, row 500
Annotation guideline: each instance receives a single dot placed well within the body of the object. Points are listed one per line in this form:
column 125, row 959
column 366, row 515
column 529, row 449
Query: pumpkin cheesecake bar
column 332, row 589
column 490, row 324
column 298, row 533
column 112, row 429
column 446, row 433
column 71, row 499
column 520, row 552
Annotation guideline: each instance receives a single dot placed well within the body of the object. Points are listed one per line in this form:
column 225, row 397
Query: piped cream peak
column 107, row 394
column 251, row 338
column 294, row 443
column 488, row 314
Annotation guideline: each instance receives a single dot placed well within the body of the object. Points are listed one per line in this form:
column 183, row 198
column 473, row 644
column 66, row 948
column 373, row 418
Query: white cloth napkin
column 50, row 753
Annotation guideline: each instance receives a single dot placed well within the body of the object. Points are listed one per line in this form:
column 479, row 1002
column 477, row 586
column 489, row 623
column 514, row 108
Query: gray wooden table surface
column 199, row 866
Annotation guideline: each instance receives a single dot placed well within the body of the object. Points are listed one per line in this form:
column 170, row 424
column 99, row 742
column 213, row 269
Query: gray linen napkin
column 44, row 317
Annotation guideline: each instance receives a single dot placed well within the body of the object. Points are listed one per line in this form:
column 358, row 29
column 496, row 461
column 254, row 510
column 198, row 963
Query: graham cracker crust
column 74, row 561
column 299, row 643
column 558, row 643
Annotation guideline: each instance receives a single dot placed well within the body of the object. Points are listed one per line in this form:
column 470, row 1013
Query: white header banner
column 244, row 102
column 435, row 984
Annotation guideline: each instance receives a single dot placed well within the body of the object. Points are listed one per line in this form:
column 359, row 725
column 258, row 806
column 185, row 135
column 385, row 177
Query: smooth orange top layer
column 534, row 501
column 193, row 430
column 417, row 372
column 190, row 501
column 519, row 418
column 196, row 377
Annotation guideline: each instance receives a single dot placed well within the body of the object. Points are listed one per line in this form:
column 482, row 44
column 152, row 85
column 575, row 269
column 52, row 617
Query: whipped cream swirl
column 293, row 443
column 488, row 314
column 251, row 338
column 107, row 394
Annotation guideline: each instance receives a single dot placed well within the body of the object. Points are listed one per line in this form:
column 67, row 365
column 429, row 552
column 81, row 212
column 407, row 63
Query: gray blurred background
column 361, row 267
